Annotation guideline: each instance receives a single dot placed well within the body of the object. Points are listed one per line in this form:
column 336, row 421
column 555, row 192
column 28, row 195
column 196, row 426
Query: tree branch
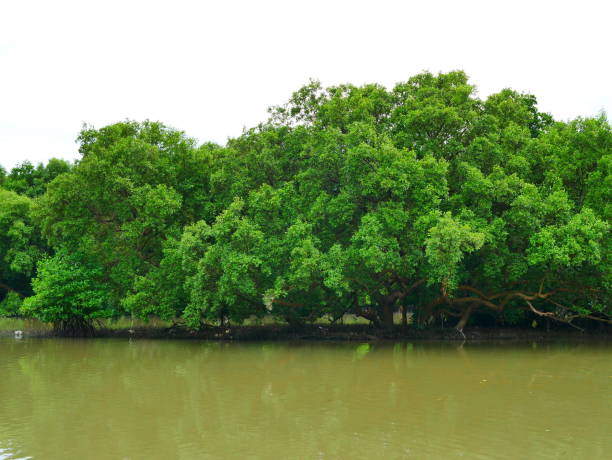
column 10, row 289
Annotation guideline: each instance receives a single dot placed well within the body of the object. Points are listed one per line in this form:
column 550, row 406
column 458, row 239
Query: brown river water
column 120, row 399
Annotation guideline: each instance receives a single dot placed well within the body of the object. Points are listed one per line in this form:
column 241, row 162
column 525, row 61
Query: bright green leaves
column 573, row 151
column 66, row 287
column 510, row 108
column 579, row 241
column 161, row 292
column 376, row 240
column 347, row 198
column 19, row 242
column 25, row 179
column 304, row 256
column 380, row 173
column 598, row 195
column 434, row 114
column 229, row 271
column 155, row 210
column 11, row 304
column 448, row 241
column 137, row 185
column 20, row 247
column 335, row 107
column 252, row 259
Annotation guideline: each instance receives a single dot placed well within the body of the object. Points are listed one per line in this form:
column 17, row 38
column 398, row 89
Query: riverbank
column 340, row 332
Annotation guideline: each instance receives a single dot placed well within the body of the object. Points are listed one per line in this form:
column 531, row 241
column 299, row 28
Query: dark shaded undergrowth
column 340, row 332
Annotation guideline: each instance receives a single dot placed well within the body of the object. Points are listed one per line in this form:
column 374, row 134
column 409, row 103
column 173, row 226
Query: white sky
column 212, row 68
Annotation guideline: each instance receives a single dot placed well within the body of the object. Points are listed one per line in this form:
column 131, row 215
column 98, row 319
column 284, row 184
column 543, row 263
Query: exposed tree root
column 74, row 327
column 463, row 306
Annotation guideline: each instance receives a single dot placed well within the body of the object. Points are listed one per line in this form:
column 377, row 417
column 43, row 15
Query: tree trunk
column 464, row 319
column 404, row 316
column 294, row 321
column 387, row 315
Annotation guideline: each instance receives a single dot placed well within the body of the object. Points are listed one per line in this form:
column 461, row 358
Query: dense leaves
column 20, row 244
column 347, row 199
column 68, row 292
column 25, row 179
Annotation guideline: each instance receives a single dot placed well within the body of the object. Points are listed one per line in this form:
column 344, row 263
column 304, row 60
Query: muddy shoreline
column 352, row 333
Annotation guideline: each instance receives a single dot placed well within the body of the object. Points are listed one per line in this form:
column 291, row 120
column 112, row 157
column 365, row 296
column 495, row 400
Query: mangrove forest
column 423, row 202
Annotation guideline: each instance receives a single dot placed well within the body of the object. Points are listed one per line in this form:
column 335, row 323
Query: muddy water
column 115, row 399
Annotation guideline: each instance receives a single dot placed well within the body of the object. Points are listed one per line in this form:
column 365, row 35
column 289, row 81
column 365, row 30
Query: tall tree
column 136, row 185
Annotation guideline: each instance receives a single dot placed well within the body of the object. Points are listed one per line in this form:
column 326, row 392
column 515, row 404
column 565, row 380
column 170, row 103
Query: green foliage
column 68, row 292
column 11, row 304
column 136, row 185
column 25, row 179
column 18, row 250
column 446, row 244
column 20, row 244
column 348, row 199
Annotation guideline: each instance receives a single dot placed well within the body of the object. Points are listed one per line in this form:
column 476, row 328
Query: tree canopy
column 357, row 199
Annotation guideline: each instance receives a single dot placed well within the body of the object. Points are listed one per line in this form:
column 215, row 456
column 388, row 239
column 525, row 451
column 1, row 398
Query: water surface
column 115, row 399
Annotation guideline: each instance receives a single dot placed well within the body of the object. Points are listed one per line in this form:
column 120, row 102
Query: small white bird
column 18, row 334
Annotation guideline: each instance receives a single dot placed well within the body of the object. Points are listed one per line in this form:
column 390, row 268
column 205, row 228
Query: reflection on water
column 114, row 399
